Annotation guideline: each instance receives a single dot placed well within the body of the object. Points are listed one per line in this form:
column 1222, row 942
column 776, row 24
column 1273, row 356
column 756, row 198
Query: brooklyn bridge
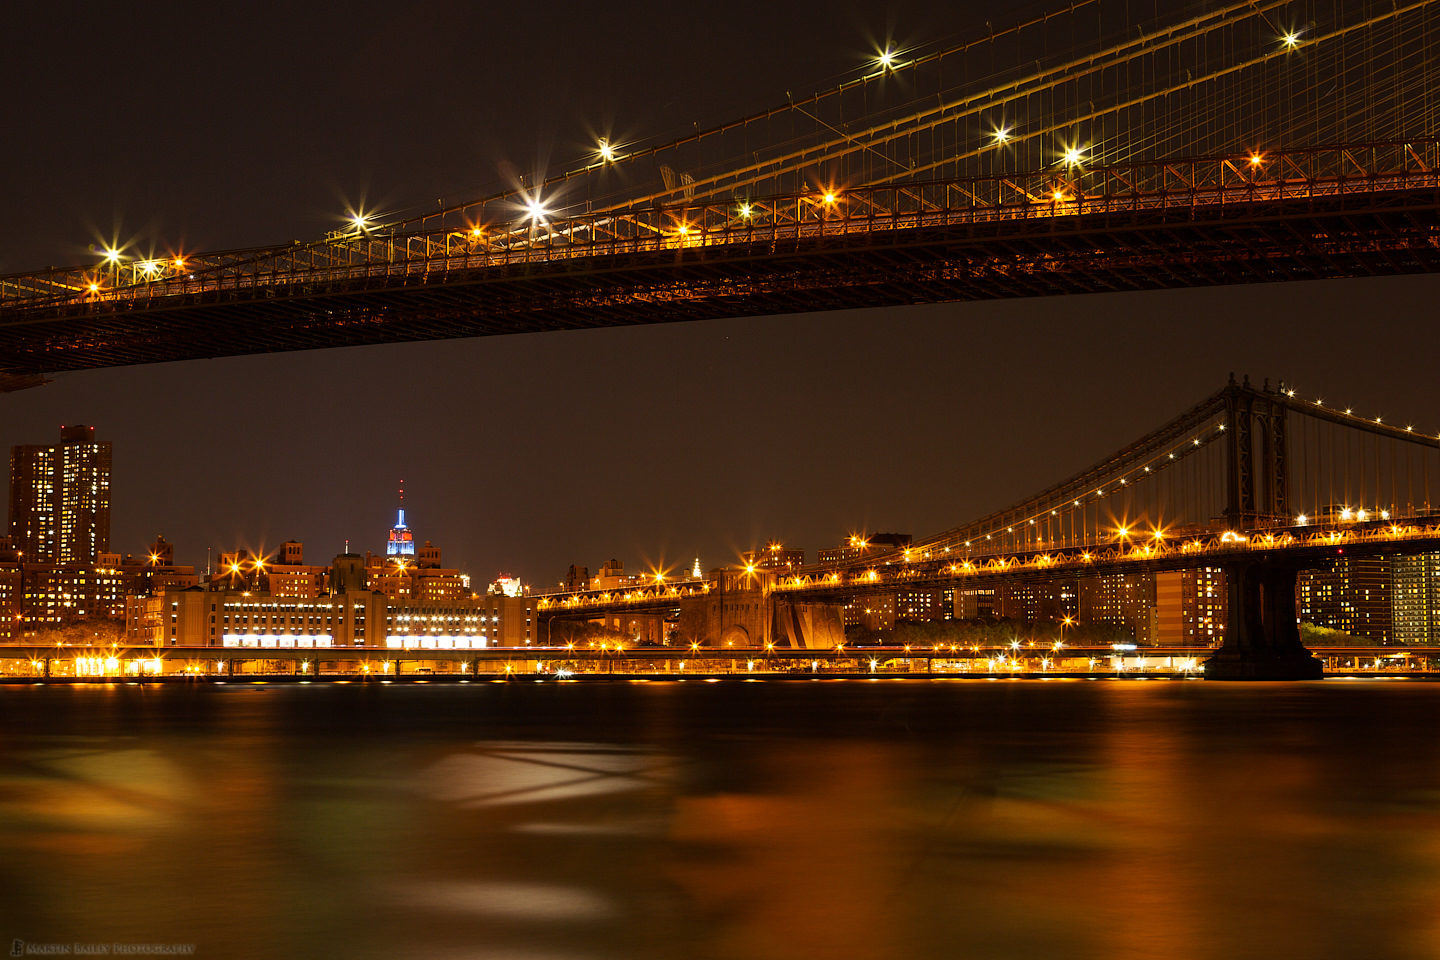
column 1076, row 152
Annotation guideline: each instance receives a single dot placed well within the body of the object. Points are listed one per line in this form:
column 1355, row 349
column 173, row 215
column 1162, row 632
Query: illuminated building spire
column 402, row 541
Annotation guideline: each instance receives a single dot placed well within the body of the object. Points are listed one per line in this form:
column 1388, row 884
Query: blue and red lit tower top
column 402, row 541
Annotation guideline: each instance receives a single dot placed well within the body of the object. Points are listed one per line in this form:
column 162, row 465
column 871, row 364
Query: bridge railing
column 1211, row 184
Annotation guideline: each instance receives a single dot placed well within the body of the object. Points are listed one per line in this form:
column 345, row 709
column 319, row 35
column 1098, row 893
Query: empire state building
column 401, row 542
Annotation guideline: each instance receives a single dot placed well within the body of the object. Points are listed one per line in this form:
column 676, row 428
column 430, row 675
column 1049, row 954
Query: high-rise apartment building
column 1124, row 600
column 1352, row 595
column 60, row 498
column 924, row 605
column 1190, row 606
column 1415, row 597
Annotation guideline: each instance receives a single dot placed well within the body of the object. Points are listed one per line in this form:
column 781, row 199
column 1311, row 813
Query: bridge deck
column 886, row 247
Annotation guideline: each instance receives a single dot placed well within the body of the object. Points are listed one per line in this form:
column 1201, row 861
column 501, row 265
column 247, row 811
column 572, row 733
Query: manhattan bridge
column 1091, row 149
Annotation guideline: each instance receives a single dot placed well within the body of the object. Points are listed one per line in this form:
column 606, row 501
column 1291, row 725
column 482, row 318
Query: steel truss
column 1339, row 211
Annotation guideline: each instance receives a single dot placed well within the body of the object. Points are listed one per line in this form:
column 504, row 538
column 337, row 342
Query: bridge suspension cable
column 1242, row 459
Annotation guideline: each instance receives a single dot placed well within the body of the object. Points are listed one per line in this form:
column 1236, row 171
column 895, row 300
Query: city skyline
column 536, row 521
column 826, row 479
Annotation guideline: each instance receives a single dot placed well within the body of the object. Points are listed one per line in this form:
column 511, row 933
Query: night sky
column 213, row 127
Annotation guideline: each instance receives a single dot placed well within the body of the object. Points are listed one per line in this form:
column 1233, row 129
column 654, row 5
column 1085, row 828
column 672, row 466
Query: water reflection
column 848, row 819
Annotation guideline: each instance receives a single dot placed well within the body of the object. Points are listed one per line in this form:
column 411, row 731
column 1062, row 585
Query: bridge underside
column 1334, row 236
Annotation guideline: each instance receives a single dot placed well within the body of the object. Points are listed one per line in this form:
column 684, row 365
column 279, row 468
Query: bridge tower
column 1262, row 636
column 1258, row 479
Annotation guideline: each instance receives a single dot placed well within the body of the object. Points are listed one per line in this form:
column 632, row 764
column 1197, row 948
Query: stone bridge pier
column 1262, row 638
column 743, row 611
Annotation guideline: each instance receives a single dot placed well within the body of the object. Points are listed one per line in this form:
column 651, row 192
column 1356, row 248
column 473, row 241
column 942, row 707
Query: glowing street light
column 606, row 151
column 885, row 60
column 535, row 208
column 1002, row 135
column 1291, row 40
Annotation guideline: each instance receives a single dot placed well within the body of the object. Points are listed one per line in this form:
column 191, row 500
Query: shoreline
column 341, row 679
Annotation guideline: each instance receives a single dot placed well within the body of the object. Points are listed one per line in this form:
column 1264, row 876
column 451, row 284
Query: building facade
column 41, row 598
column 60, row 498
column 1353, row 595
column 774, row 556
column 362, row 618
column 1123, row 600
column 1415, row 598
column 1190, row 607
column 859, row 547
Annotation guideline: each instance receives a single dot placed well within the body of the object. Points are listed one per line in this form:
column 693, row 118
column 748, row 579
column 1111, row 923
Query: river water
column 735, row 819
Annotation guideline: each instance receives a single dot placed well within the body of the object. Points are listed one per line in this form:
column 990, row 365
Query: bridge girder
column 1307, row 237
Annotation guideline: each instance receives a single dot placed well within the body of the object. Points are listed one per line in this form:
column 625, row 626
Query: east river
column 797, row 819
